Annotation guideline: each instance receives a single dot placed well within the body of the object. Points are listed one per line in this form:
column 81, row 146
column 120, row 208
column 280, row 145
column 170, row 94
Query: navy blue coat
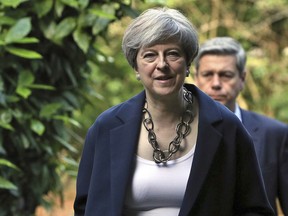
column 225, row 177
column 271, row 143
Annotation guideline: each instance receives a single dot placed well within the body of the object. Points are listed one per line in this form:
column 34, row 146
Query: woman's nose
column 162, row 64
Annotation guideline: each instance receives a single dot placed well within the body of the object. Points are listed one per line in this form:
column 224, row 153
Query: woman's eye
column 149, row 56
column 173, row 55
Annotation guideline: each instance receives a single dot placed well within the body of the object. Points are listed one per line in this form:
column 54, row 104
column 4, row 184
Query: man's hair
column 223, row 46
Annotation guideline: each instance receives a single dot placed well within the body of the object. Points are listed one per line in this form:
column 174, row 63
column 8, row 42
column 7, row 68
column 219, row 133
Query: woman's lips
column 163, row 78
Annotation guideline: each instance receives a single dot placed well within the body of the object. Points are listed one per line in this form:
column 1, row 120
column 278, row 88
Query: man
column 220, row 73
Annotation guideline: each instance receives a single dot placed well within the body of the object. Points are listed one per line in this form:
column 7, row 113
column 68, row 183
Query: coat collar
column 253, row 126
column 249, row 121
column 123, row 148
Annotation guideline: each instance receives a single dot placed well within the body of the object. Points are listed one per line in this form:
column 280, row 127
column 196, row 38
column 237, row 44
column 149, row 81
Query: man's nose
column 216, row 82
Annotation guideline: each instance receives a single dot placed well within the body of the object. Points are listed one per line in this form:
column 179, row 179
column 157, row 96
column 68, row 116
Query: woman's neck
column 166, row 111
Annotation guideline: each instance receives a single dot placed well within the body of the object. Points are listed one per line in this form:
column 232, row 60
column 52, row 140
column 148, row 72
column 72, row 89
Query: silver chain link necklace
column 182, row 130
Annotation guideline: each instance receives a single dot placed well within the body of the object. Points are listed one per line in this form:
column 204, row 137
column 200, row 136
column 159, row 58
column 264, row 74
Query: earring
column 187, row 73
column 138, row 77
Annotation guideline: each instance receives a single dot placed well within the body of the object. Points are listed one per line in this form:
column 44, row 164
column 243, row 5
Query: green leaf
column 43, row 7
column 6, row 126
column 71, row 98
column 67, row 119
column 50, row 109
column 7, row 163
column 71, row 3
column 59, row 7
column 48, row 29
column 66, row 144
column 6, row 20
column 5, row 184
column 5, row 119
column 82, row 39
column 40, row 86
column 83, row 3
column 25, row 78
column 128, row 11
column 24, row 53
column 99, row 25
column 12, row 98
column 71, row 162
column 27, row 40
column 25, row 141
column 1, row 84
column 37, row 126
column 12, row 3
column 23, row 91
column 102, row 14
column 64, row 28
column 5, row 116
column 19, row 30
column 69, row 71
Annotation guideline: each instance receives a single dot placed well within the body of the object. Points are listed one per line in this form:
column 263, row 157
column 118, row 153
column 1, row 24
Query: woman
column 170, row 150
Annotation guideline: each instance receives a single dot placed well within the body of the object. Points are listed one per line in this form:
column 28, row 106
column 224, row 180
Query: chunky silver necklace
column 182, row 130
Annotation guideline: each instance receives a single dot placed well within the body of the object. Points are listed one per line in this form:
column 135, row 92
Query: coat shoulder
column 264, row 121
column 121, row 113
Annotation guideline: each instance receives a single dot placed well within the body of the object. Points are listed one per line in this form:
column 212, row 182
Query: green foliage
column 46, row 51
column 61, row 65
column 4, row 183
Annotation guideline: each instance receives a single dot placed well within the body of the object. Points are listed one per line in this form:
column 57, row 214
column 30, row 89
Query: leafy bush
column 46, row 50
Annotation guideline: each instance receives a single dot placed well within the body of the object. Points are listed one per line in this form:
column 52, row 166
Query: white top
column 158, row 189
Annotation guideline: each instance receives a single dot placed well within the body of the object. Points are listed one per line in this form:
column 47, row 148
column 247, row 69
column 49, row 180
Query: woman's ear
column 137, row 75
column 188, row 70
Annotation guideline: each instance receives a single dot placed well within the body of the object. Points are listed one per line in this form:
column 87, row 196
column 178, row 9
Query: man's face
column 219, row 77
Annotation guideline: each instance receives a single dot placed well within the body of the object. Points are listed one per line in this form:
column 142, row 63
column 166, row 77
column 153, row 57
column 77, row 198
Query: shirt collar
column 238, row 112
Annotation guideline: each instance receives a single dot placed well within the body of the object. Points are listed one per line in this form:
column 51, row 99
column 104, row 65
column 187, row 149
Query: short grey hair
column 158, row 25
column 223, row 46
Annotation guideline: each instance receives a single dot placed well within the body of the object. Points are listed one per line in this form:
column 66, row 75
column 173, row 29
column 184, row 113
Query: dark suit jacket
column 271, row 143
column 225, row 177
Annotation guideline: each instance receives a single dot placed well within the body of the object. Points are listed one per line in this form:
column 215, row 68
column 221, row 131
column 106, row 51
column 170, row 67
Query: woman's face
column 162, row 69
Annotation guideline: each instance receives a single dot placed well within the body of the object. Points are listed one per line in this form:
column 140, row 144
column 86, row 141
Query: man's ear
column 194, row 74
column 243, row 76
column 243, row 79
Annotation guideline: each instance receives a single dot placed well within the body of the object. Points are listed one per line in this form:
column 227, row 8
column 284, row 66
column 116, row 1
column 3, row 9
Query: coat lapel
column 123, row 143
column 207, row 144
